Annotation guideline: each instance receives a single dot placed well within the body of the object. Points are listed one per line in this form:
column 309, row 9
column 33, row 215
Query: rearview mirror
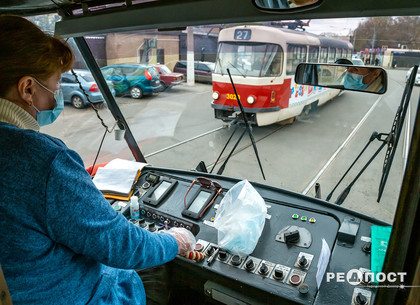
column 274, row 5
column 346, row 77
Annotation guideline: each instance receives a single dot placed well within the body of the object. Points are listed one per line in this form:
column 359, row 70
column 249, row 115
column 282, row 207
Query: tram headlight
column 250, row 99
column 215, row 95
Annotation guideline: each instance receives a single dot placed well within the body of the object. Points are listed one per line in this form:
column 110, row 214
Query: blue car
column 135, row 80
column 74, row 95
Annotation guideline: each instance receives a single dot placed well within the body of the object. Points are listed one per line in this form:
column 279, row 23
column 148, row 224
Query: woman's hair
column 27, row 51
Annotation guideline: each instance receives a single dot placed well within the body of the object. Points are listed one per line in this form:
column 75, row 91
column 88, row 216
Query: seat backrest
column 4, row 292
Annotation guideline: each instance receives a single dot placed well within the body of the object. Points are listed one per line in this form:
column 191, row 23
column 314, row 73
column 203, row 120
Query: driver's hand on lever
column 184, row 238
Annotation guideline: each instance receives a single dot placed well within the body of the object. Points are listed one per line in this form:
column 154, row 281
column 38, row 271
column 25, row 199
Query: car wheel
column 163, row 87
column 77, row 102
column 136, row 92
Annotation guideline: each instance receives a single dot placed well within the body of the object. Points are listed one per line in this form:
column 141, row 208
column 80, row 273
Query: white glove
column 184, row 238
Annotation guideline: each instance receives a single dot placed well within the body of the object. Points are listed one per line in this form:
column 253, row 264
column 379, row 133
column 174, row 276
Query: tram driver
column 366, row 79
column 61, row 241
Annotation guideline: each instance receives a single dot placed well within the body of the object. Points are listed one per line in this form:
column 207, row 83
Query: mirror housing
column 278, row 5
column 344, row 77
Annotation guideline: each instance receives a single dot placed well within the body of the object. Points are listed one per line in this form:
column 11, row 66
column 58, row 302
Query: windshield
column 87, row 77
column 249, row 59
column 304, row 135
column 165, row 70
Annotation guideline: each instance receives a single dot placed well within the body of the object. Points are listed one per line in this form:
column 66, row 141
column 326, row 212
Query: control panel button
column 142, row 223
column 312, row 220
column 295, row 279
column 210, row 251
column 152, row 227
column 303, row 288
column 303, row 262
column 278, row 274
column 295, row 216
column 360, row 299
column 223, row 255
column 236, row 260
column 304, row 218
column 249, row 265
column 263, row 269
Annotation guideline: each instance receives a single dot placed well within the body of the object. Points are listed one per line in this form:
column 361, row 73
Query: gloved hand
column 185, row 239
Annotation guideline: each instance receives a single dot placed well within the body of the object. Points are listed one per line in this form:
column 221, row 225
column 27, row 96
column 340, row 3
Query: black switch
column 303, row 262
column 249, row 265
column 361, row 299
column 367, row 247
column 210, row 251
column 222, row 255
column 278, row 274
column 142, row 223
column 263, row 269
column 292, row 237
column 152, row 227
column 236, row 260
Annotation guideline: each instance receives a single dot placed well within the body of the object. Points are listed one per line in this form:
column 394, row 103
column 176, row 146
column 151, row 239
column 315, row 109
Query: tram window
column 295, row 55
column 344, row 55
column 323, row 58
column 313, row 54
column 339, row 54
column 331, row 55
column 249, row 59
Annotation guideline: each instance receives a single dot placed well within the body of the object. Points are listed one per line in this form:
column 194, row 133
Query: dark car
column 202, row 70
column 135, row 80
column 167, row 77
column 74, row 95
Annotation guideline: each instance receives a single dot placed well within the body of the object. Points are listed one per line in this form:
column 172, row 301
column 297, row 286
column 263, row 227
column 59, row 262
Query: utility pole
column 190, row 56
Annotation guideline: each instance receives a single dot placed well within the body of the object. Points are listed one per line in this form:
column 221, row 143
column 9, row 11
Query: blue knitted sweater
column 60, row 240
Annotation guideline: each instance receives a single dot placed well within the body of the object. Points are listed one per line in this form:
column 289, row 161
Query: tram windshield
column 175, row 122
column 249, row 59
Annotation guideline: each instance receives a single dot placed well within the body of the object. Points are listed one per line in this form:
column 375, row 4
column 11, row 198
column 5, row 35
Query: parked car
column 74, row 95
column 417, row 81
column 135, row 80
column 357, row 62
column 167, row 77
column 202, row 70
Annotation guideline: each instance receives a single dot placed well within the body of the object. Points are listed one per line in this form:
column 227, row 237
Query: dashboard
column 303, row 256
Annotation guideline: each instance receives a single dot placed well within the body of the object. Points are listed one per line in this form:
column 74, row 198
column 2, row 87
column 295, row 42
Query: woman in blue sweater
column 61, row 241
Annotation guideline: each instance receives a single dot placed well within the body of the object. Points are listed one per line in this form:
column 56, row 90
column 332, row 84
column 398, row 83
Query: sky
column 340, row 26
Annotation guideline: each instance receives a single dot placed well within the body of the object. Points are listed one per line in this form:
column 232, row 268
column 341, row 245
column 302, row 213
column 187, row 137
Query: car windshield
column 87, row 77
column 165, row 70
column 304, row 135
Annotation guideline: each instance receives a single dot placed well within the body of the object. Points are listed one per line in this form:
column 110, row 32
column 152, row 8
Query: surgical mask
column 354, row 81
column 46, row 117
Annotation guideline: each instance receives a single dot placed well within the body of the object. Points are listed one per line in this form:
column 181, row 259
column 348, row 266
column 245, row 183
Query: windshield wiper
column 244, row 76
column 390, row 139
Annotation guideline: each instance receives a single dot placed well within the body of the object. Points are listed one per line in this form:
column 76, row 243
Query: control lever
column 292, row 237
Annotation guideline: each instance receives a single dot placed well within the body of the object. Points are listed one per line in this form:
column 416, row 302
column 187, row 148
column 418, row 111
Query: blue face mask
column 354, row 81
column 46, row 117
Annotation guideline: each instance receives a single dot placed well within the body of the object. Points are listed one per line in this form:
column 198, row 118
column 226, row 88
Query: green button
column 295, row 216
column 304, row 218
column 117, row 207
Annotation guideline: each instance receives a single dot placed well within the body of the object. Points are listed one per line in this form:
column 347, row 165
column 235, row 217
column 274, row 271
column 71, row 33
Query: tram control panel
column 300, row 235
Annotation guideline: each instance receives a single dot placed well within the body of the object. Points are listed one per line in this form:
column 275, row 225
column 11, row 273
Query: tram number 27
column 242, row 34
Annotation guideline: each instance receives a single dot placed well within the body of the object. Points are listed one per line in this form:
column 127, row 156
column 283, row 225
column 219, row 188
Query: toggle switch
column 303, row 262
column 249, row 265
column 292, row 237
column 278, row 274
column 360, row 299
column 222, row 255
column 263, row 269
column 236, row 260
column 152, row 227
column 142, row 223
